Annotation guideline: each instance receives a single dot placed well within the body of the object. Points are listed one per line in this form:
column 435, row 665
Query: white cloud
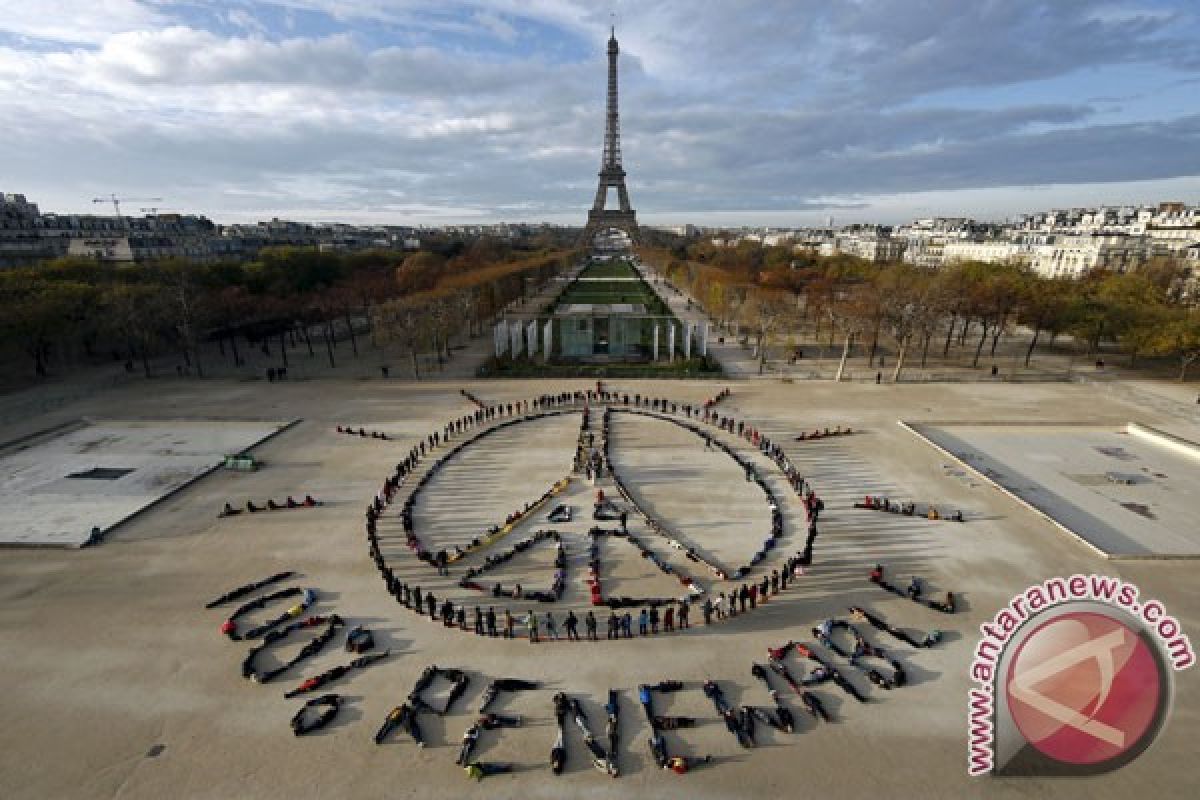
column 240, row 18
column 83, row 21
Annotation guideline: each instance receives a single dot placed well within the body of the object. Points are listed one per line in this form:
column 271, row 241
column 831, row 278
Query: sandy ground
column 108, row 653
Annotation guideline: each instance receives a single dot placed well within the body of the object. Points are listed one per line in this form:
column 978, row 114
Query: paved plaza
column 118, row 683
column 1125, row 494
column 56, row 487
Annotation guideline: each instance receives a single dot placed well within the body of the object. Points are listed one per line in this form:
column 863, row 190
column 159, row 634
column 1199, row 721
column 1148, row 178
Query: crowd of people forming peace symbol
column 657, row 615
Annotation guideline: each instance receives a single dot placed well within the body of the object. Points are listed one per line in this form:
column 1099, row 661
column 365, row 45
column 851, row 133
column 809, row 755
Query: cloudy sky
column 778, row 112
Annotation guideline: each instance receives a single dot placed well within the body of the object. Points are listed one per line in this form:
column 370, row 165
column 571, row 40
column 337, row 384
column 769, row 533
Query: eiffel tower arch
column 612, row 174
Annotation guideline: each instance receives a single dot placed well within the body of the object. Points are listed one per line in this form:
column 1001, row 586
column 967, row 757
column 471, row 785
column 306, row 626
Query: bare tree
column 406, row 322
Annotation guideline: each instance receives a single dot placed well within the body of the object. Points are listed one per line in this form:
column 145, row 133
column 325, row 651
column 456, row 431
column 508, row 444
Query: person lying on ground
column 818, row 676
column 493, row 721
column 946, row 607
column 682, row 764
column 245, row 589
column 229, row 627
column 787, row 722
column 813, row 705
column 504, row 685
column 672, row 723
column 317, row 681
column 359, row 640
column 302, row 723
column 658, row 749
column 558, row 754
column 308, row 597
column 479, row 770
column 469, row 738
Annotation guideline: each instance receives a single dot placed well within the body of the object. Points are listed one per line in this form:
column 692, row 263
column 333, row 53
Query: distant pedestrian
column 589, row 622
column 654, row 619
column 531, row 624
column 551, row 627
column 572, row 626
column 491, row 621
column 643, row 622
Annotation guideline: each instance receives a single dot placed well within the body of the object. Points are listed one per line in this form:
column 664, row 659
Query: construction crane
column 116, row 201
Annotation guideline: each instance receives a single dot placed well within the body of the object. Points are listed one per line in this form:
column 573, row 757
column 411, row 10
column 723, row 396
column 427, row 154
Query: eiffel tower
column 612, row 174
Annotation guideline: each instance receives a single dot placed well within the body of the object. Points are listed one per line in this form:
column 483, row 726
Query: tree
column 185, row 298
column 766, row 311
column 905, row 294
column 404, row 321
column 1180, row 336
column 850, row 312
column 137, row 314
column 1136, row 308
column 1046, row 307
column 37, row 313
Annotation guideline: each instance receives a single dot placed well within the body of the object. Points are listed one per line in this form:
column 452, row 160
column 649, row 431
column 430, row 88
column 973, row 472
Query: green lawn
column 693, row 368
column 609, row 269
column 613, row 292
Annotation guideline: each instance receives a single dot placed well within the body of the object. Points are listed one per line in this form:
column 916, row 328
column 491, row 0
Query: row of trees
column 71, row 312
column 970, row 306
column 426, row 320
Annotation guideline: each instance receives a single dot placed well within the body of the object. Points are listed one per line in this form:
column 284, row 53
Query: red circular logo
column 1084, row 688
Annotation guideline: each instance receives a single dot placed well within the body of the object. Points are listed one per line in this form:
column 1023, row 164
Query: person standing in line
column 654, row 620
column 643, row 622
column 627, row 625
column 572, row 626
column 491, row 621
column 509, row 624
column 684, row 611
column 551, row 627
column 531, row 624
column 589, row 622
column 669, row 619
